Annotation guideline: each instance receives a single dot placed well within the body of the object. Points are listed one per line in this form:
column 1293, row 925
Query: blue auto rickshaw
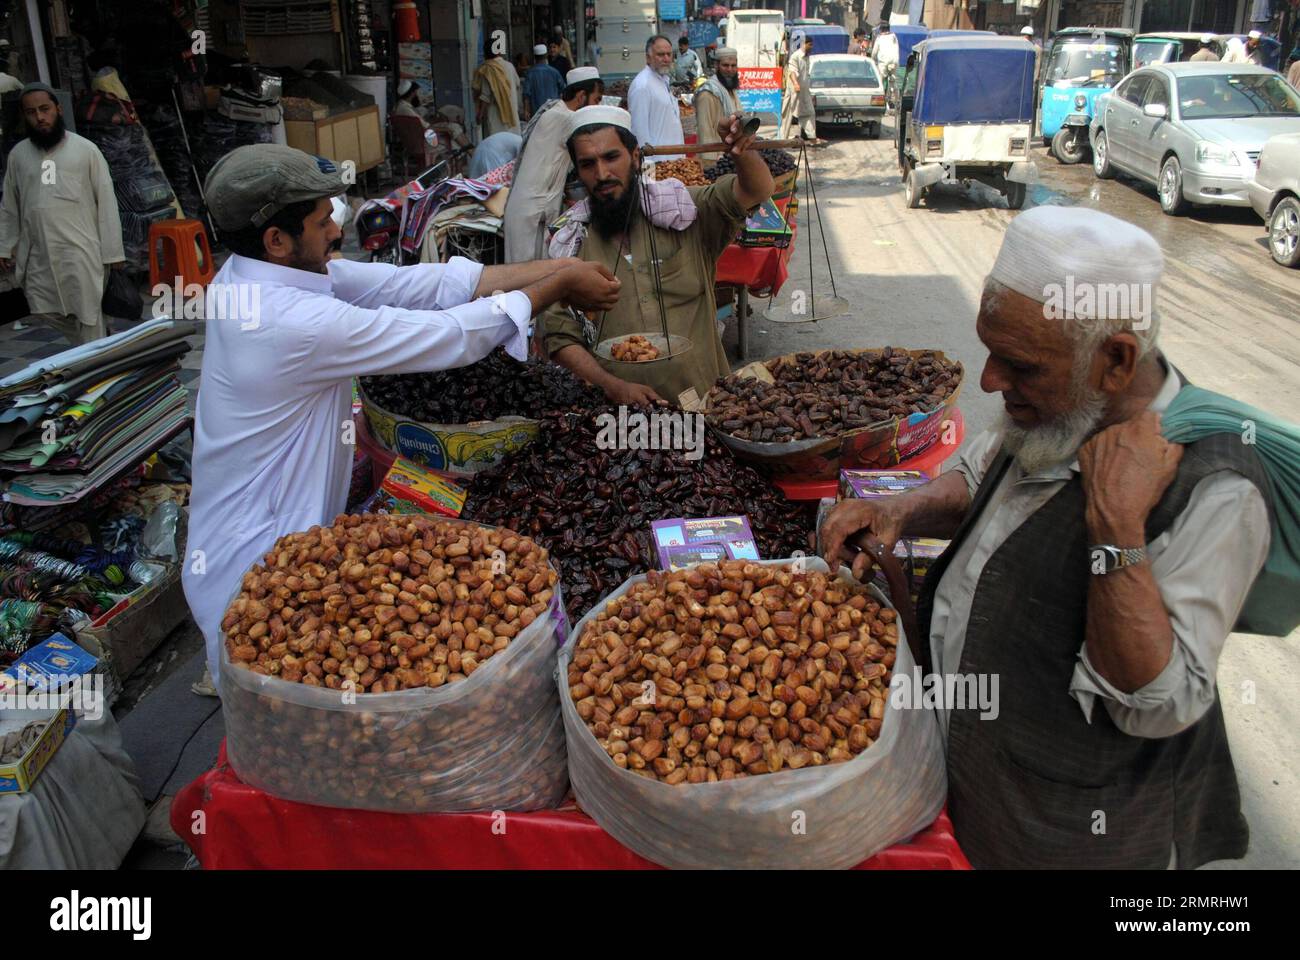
column 908, row 36
column 826, row 38
column 972, row 116
column 1081, row 64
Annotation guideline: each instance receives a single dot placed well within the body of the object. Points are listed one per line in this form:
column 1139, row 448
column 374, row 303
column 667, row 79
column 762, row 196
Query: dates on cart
column 818, row 395
column 687, row 170
column 635, row 349
column 778, row 162
column 733, row 670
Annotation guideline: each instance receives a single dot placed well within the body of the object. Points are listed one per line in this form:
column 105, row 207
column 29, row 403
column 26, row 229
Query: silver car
column 1275, row 194
column 1194, row 130
column 847, row 92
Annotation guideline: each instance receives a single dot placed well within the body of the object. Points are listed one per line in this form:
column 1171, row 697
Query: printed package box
column 19, row 775
column 683, row 543
column 870, row 484
column 52, row 658
column 410, row 488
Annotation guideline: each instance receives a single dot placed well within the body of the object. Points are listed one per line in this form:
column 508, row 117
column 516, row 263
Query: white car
column 1275, row 194
column 847, row 92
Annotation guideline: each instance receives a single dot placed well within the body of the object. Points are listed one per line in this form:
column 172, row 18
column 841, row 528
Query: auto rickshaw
column 1171, row 47
column 1081, row 64
column 908, row 36
column 972, row 116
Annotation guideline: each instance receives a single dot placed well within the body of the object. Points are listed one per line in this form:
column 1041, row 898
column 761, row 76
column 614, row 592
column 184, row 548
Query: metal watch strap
column 1114, row 558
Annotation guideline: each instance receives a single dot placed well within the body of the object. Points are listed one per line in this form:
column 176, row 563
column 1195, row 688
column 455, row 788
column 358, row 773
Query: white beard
column 1057, row 441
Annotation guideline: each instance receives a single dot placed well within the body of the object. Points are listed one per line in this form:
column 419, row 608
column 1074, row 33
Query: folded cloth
column 668, row 203
column 1273, row 605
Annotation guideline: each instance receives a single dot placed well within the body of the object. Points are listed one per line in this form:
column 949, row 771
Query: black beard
column 611, row 217
column 48, row 141
column 729, row 83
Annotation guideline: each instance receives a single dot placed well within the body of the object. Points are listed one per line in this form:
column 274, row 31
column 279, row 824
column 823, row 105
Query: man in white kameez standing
column 656, row 115
column 59, row 227
column 496, row 89
column 542, row 168
column 797, row 108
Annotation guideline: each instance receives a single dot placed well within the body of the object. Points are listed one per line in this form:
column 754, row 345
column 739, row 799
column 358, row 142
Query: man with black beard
column 59, row 227
column 662, row 240
column 717, row 98
column 1095, row 570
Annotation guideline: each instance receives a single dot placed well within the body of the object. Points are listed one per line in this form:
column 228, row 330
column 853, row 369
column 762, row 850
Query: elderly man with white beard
column 1094, row 568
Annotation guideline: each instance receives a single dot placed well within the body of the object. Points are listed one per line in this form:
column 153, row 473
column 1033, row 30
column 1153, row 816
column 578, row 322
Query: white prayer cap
column 599, row 113
column 539, row 50
column 559, row 30
column 1049, row 253
column 404, row 87
column 581, row 75
column 1255, row 35
column 1026, row 31
column 723, row 52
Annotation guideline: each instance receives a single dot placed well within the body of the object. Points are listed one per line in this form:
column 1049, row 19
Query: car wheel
column 1284, row 232
column 1101, row 158
column 1170, row 188
column 913, row 191
column 1015, row 194
column 1069, row 145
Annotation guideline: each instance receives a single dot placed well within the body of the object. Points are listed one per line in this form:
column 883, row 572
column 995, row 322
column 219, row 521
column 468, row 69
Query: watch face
column 1103, row 559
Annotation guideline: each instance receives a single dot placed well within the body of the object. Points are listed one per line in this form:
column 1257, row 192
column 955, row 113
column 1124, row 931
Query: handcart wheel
column 1015, row 195
column 915, row 192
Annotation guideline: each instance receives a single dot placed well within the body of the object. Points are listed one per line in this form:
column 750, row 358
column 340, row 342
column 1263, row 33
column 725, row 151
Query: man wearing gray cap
column 287, row 331
column 1094, row 572
column 59, row 226
column 542, row 169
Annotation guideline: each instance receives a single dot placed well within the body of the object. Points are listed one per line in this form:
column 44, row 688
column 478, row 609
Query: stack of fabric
column 76, row 421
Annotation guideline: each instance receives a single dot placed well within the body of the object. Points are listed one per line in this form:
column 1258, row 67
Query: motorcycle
column 379, row 221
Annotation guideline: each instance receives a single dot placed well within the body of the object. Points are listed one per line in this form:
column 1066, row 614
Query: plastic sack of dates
column 398, row 663
column 738, row 716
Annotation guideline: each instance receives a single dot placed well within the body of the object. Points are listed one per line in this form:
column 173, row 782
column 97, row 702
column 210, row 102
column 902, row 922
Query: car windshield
column 859, row 71
column 1236, row 95
column 1084, row 64
column 1155, row 51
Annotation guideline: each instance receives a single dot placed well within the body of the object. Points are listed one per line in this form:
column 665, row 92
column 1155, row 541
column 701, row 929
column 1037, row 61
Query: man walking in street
column 1206, row 53
column 687, row 69
column 542, row 83
column 496, row 94
column 656, row 117
column 543, row 167
column 59, row 226
column 797, row 109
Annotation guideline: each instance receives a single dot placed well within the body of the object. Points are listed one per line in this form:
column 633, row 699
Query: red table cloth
column 230, row 825
column 761, row 270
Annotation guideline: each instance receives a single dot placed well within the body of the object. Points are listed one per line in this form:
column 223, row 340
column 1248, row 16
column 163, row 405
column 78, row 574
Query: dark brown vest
column 1025, row 789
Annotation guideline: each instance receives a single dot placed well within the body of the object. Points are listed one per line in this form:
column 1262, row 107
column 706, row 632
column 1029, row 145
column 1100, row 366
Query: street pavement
column 1230, row 321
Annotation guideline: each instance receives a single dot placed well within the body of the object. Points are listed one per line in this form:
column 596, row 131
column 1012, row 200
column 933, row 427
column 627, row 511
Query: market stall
column 505, row 526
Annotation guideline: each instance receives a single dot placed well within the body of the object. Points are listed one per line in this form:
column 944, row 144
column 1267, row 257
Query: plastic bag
column 1273, row 605
column 492, row 742
column 159, row 536
column 122, row 297
column 836, row 815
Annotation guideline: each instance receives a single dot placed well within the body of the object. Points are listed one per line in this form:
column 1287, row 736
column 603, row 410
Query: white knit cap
column 1026, row 31
column 1050, row 250
column 723, row 52
column 599, row 113
column 539, row 50
column 1255, row 35
column 581, row 75
column 1207, row 38
column 404, row 87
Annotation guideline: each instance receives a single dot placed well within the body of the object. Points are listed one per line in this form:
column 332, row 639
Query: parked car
column 1193, row 130
column 847, row 92
column 1275, row 194
column 1167, row 47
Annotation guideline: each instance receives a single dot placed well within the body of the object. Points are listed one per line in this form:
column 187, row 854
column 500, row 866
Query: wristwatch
column 1105, row 558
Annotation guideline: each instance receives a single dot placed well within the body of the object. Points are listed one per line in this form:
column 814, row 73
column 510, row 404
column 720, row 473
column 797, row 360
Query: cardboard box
column 19, row 775
column 415, row 489
column 683, row 543
column 55, row 657
column 136, row 624
column 870, row 484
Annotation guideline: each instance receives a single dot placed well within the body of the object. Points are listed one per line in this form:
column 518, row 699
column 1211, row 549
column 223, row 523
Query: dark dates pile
column 592, row 508
column 825, row 394
column 496, row 386
column 778, row 162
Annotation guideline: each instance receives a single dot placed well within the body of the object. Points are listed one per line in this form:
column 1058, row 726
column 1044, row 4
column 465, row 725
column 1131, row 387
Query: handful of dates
column 778, row 162
column 734, row 670
column 635, row 349
column 819, row 395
